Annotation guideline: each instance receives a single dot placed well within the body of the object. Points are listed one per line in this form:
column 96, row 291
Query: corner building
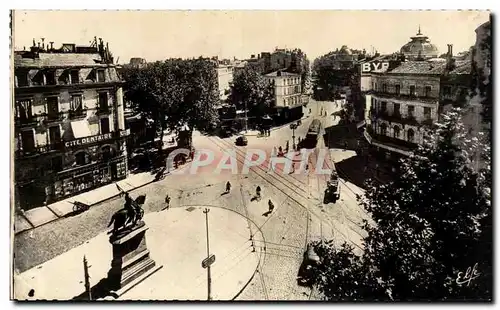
column 69, row 128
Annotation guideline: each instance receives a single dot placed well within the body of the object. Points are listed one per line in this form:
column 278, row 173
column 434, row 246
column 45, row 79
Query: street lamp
column 293, row 127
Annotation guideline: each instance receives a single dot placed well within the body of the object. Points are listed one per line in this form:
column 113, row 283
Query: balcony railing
column 395, row 117
column 393, row 142
column 54, row 147
column 76, row 114
column 103, row 109
column 400, row 96
column 54, row 116
column 32, row 120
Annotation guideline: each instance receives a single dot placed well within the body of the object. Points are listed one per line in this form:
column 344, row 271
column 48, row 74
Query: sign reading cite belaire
column 94, row 139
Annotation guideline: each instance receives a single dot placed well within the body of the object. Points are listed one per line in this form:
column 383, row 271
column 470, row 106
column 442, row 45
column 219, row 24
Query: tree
column 428, row 226
column 300, row 64
column 175, row 93
column 251, row 91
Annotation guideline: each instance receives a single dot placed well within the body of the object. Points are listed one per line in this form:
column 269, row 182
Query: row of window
column 397, row 89
column 410, row 133
column 292, row 81
column 24, row 107
column 410, row 110
column 292, row 90
column 291, row 101
column 48, row 77
column 27, row 137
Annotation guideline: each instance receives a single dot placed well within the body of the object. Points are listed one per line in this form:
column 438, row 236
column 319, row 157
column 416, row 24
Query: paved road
column 299, row 215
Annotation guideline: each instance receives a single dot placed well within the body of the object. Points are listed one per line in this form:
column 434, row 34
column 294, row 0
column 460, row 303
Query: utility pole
column 209, row 280
column 87, row 277
column 246, row 118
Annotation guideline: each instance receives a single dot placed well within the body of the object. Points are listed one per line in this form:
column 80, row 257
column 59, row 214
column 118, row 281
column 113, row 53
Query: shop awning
column 80, row 129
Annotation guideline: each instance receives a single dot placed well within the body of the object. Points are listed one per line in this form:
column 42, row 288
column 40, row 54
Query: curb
column 60, row 217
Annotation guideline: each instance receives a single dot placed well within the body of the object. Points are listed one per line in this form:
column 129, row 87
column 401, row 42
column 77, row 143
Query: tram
column 313, row 134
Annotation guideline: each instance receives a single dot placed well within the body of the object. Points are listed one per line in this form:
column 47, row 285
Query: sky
column 156, row 35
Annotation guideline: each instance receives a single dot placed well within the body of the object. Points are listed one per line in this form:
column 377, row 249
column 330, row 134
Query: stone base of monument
column 131, row 262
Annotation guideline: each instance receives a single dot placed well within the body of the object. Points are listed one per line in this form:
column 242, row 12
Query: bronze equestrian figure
column 131, row 213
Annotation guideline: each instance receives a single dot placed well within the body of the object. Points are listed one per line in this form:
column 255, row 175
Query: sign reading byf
column 371, row 66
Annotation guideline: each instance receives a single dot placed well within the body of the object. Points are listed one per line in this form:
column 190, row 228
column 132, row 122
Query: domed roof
column 419, row 47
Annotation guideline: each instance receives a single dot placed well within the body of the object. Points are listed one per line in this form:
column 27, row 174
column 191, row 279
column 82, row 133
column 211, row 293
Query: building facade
column 405, row 100
column 69, row 129
column 224, row 78
column 402, row 102
column 287, row 93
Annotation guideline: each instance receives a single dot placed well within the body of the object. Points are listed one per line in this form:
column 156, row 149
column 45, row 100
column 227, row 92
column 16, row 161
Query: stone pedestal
column 131, row 262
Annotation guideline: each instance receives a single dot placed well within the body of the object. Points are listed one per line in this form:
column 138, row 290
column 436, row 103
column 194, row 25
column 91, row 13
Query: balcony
column 391, row 142
column 103, row 110
column 24, row 122
column 77, row 114
column 395, row 117
column 54, row 147
column 404, row 97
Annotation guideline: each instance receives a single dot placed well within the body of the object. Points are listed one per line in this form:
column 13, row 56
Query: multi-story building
column 288, row 101
column 69, row 132
column 412, row 96
column 224, row 78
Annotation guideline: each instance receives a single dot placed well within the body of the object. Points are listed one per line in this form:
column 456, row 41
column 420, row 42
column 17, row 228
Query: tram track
column 276, row 180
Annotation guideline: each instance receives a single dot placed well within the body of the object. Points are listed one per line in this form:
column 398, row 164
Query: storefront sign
column 88, row 140
column 125, row 133
column 371, row 66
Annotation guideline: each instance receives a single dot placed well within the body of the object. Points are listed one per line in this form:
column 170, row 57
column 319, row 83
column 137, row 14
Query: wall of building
column 90, row 99
column 287, row 90
column 224, row 78
column 405, row 81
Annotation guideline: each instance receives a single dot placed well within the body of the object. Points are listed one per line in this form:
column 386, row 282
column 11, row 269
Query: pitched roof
column 283, row 73
column 59, row 60
column 420, row 67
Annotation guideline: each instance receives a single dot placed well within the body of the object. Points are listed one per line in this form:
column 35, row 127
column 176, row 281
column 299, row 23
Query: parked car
column 242, row 141
column 308, row 267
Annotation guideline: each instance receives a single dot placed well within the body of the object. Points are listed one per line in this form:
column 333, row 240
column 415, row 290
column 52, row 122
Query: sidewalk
column 42, row 215
column 176, row 241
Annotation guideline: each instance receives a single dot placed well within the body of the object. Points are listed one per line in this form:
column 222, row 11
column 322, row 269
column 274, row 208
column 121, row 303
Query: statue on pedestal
column 132, row 213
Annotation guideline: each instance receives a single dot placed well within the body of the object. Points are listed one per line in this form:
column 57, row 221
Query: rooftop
column 58, row 60
column 281, row 73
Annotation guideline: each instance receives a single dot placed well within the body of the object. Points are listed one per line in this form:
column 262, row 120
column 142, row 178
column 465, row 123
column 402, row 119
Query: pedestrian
column 271, row 206
column 345, row 145
column 293, row 168
column 257, row 192
column 287, row 146
column 167, row 201
column 228, row 187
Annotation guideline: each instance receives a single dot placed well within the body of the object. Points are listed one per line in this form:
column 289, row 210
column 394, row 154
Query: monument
column 131, row 262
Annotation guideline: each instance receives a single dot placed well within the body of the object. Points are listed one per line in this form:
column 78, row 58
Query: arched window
column 82, row 158
column 411, row 135
column 396, row 131
column 383, row 129
column 107, row 152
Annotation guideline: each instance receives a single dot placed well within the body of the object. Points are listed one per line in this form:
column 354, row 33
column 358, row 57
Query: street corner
column 183, row 277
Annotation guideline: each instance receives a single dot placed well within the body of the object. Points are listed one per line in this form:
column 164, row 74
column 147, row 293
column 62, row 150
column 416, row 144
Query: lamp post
column 208, row 261
column 293, row 127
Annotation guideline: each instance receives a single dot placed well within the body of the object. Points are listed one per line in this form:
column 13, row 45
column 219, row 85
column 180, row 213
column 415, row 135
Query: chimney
column 252, row 57
column 51, row 45
column 43, row 43
column 278, row 73
column 450, row 61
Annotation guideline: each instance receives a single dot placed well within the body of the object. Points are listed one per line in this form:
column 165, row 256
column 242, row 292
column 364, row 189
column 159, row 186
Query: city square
column 346, row 176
